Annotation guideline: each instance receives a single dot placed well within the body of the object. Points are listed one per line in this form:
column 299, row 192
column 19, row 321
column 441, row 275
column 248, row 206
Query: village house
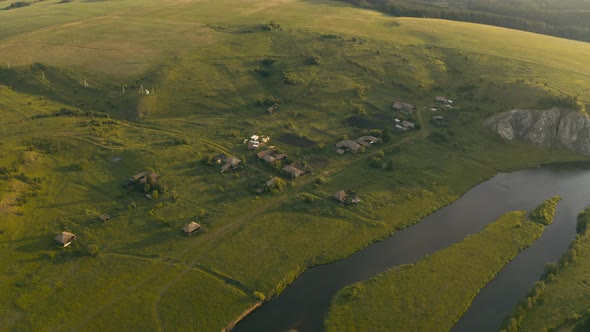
column 399, row 129
column 143, row 177
column 271, row 110
column 347, row 145
column 270, row 155
column 340, row 196
column 368, row 141
column 293, row 171
column 65, row 238
column 440, row 99
column 231, row 162
column 346, row 197
column 408, row 125
column 191, row 228
column 404, row 108
column 105, row 217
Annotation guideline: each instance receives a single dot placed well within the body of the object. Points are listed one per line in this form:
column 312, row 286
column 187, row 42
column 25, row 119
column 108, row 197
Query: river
column 304, row 304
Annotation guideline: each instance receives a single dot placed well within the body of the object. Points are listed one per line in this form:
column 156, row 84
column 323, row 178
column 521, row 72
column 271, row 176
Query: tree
column 389, row 166
column 280, row 184
column 386, row 134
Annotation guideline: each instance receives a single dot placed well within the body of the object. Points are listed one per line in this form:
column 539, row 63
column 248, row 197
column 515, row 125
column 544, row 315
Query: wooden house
column 293, row 171
column 191, row 228
column 65, row 238
column 230, row 163
column 404, row 108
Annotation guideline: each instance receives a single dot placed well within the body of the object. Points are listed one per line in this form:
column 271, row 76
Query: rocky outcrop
column 547, row 128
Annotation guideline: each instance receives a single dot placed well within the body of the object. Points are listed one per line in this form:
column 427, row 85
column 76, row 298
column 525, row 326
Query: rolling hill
column 77, row 122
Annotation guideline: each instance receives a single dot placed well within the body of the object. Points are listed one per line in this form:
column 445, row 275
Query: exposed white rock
column 547, row 128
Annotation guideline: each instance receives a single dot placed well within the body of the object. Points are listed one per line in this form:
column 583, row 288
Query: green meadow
column 433, row 293
column 75, row 128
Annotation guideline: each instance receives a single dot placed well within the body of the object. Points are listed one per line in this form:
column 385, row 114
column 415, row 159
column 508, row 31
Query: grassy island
column 432, row 294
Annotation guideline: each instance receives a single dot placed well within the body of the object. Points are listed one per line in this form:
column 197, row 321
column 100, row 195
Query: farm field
column 433, row 293
column 77, row 122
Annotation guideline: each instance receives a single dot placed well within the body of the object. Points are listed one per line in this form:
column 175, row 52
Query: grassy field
column 559, row 301
column 433, row 293
column 211, row 76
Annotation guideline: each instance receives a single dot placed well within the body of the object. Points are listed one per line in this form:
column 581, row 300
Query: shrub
column 386, row 135
column 438, row 137
column 93, row 250
column 18, row 4
column 321, row 180
column 544, row 213
column 361, row 91
column 259, row 295
column 583, row 221
column 359, row 109
column 290, row 78
column 272, row 26
column 313, row 60
column 262, row 71
column 376, row 162
column 267, row 61
column 352, row 292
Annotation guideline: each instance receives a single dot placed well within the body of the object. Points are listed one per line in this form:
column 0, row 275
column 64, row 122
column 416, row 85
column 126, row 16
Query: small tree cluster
column 272, row 26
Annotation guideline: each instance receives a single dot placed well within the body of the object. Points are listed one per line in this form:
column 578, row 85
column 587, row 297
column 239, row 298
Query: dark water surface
column 304, row 304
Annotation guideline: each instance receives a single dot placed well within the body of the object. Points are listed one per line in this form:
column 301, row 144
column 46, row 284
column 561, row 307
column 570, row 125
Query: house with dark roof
column 65, row 238
column 265, row 153
column 409, row 125
column 270, row 155
column 191, row 228
column 293, row 171
column 404, row 108
column 347, row 145
column 368, row 141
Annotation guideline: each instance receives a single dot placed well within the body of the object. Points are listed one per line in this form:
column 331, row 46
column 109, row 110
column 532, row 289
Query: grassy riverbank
column 433, row 293
column 559, row 301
